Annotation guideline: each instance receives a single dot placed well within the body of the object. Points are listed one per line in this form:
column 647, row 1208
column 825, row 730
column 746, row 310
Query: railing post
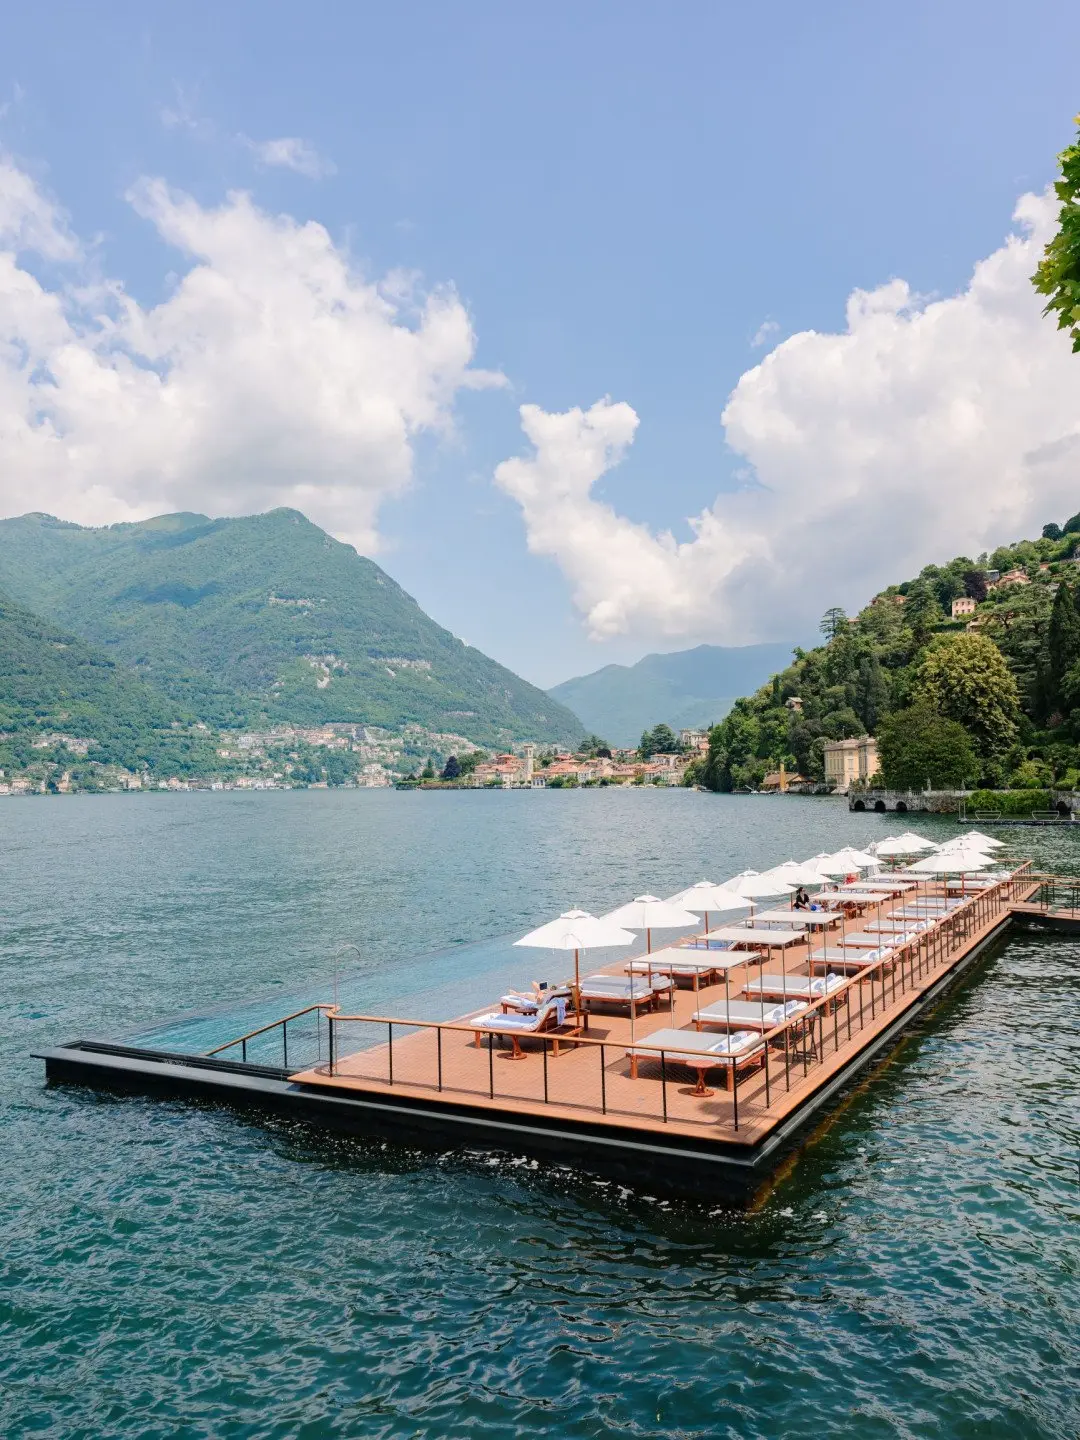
column 284, row 1044
column 544, row 1043
column 390, row 1045
column 330, row 1044
column 735, row 1091
column 491, row 1066
column 663, row 1081
column 438, row 1048
column 603, row 1082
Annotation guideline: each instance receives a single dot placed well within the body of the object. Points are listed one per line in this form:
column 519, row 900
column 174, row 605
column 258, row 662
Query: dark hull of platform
column 647, row 1158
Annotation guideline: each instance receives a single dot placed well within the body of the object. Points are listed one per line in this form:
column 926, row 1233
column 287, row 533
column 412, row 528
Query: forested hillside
column 991, row 696
column 63, row 703
column 267, row 619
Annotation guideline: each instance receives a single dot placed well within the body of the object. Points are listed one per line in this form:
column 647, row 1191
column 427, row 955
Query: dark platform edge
column 674, row 1164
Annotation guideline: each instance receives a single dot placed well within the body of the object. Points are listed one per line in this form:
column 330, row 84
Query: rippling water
column 174, row 1270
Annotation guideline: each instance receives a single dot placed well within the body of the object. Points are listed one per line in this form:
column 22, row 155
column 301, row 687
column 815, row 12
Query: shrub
column 1010, row 802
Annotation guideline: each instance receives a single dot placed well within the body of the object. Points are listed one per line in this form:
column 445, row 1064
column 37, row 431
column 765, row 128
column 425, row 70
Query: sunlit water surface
column 174, row 1270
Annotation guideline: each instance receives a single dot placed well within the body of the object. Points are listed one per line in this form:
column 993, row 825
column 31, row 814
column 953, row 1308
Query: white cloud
column 274, row 373
column 289, row 153
column 922, row 430
column 764, row 333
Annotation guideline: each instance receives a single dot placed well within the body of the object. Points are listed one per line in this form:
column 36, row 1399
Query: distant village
column 533, row 767
column 358, row 756
column 362, row 757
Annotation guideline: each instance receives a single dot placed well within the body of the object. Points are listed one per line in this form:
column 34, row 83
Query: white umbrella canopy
column 705, row 898
column 753, row 885
column 860, row 860
column 649, row 913
column 829, row 866
column 794, row 873
column 955, row 862
column 974, row 843
column 977, row 837
column 895, row 847
column 917, row 842
column 576, row 930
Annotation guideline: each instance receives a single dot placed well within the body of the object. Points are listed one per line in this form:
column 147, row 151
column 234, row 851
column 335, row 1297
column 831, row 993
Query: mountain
column 267, row 619
column 970, row 672
column 686, row 689
column 53, row 684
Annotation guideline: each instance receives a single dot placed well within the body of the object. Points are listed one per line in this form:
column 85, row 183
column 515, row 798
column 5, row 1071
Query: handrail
column 272, row 1025
column 821, row 1001
column 803, row 1041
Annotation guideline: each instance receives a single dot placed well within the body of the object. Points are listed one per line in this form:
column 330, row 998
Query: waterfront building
column 848, row 761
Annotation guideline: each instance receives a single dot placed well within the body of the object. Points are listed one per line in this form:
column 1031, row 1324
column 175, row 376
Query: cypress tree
column 1063, row 643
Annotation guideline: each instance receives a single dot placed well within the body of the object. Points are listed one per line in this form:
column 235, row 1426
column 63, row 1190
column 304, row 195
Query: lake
column 174, row 1270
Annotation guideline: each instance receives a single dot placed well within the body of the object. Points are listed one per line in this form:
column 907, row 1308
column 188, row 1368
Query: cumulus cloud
column 923, row 429
column 274, row 373
column 289, row 153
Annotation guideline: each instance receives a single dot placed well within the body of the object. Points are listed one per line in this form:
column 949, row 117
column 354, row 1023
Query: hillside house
column 963, row 605
column 848, row 761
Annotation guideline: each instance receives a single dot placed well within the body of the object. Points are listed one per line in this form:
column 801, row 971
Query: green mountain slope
column 52, row 683
column 990, row 695
column 689, row 688
column 267, row 618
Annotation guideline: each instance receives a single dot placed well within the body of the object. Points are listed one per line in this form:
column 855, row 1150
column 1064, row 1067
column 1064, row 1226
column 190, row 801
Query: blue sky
column 622, row 195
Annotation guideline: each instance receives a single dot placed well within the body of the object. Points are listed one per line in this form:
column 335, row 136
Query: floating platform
column 569, row 1096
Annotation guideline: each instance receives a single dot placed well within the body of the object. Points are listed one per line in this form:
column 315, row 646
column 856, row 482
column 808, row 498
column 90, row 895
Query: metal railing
column 786, row 1056
column 300, row 1054
column 1055, row 893
column 429, row 1055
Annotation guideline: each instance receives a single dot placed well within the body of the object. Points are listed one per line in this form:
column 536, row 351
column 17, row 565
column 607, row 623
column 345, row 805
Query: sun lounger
column 632, row 991
column 848, row 962
column 700, row 1052
column 747, row 1014
column 529, row 1004
column 792, row 987
column 855, row 940
column 550, row 1017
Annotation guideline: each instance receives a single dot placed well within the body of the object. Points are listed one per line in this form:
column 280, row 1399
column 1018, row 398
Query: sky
column 605, row 329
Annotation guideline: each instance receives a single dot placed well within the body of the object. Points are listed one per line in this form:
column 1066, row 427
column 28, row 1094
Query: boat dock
column 644, row 1098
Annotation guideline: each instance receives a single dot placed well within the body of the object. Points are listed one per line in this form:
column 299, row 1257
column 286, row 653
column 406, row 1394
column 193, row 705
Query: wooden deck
column 589, row 1078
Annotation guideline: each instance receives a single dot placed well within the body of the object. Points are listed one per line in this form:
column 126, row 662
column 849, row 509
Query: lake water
column 172, row 1270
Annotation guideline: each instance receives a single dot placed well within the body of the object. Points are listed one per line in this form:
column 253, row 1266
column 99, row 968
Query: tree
column 918, row 745
column 1063, row 644
column 872, row 693
column 975, row 585
column 661, row 740
column 966, row 679
column 833, row 622
column 921, row 612
column 428, row 772
column 1053, row 531
column 452, row 769
column 1058, row 274
column 1071, row 526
